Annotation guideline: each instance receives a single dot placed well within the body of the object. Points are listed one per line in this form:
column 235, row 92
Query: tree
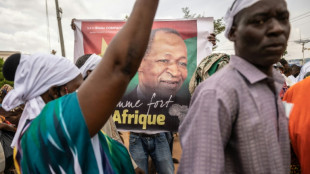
column 285, row 53
column 2, row 79
column 188, row 15
column 219, row 25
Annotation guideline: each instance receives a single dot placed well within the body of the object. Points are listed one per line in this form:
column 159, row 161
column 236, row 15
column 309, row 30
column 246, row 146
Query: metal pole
column 60, row 30
column 303, row 53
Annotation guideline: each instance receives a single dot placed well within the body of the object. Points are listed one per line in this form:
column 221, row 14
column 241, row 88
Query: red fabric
column 95, row 31
column 299, row 122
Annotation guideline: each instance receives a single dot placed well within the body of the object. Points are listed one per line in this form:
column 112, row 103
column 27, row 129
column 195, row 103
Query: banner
column 157, row 98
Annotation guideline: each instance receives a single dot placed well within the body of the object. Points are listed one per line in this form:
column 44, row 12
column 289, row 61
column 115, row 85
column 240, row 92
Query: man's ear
column 54, row 92
column 232, row 34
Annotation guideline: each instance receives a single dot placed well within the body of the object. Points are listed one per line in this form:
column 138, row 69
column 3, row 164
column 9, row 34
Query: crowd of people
column 57, row 118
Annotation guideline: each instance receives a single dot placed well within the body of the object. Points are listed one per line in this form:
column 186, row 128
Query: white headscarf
column 90, row 64
column 34, row 75
column 303, row 71
column 236, row 7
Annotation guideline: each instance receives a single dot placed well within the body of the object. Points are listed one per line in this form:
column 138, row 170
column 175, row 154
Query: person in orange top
column 299, row 122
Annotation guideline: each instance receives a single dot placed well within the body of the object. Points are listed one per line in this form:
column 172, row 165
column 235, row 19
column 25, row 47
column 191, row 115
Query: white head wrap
column 90, row 64
column 236, row 7
column 34, row 75
column 303, row 71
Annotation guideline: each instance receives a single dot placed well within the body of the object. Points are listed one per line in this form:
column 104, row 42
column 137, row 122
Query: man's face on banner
column 164, row 69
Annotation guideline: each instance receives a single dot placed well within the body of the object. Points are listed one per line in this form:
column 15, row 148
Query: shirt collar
column 251, row 73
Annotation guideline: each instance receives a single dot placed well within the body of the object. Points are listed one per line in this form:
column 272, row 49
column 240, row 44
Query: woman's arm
column 100, row 93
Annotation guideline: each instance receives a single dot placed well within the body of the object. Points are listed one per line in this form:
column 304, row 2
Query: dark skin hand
column 212, row 39
column 139, row 171
column 7, row 127
column 72, row 24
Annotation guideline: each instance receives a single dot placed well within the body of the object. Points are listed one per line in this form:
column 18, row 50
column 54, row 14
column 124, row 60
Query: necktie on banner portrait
column 153, row 113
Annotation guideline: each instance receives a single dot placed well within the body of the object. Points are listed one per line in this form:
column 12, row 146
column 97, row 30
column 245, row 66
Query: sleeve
column 204, row 134
column 299, row 123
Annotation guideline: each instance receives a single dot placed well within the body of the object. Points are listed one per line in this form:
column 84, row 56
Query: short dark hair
column 81, row 60
column 10, row 66
column 153, row 33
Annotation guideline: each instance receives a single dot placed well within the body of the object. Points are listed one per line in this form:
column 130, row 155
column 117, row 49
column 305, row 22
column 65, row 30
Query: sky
column 30, row 26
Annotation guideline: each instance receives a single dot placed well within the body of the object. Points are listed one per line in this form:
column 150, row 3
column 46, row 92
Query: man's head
column 260, row 32
column 164, row 66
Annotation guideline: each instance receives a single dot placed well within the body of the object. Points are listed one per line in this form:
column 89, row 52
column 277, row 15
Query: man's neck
column 265, row 70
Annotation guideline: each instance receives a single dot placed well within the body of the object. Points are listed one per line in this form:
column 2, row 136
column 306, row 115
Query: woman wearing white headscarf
column 34, row 77
column 64, row 136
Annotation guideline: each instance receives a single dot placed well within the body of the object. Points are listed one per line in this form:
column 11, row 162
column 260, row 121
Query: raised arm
column 100, row 93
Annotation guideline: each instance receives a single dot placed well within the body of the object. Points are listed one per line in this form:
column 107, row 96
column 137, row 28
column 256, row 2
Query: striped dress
column 57, row 141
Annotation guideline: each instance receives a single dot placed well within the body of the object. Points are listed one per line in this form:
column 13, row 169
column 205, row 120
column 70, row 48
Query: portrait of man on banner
column 158, row 95
column 164, row 66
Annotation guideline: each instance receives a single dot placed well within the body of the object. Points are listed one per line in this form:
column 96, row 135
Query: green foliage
column 285, row 53
column 188, row 15
column 2, row 79
column 219, row 26
column 126, row 17
column 186, row 12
